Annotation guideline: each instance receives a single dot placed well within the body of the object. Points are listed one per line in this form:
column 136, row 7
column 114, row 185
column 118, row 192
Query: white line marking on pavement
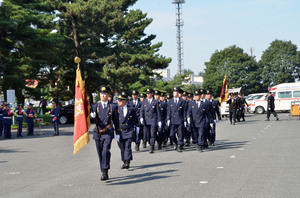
column 68, row 185
column 12, row 173
column 203, row 182
column 241, row 149
column 232, row 157
column 220, row 167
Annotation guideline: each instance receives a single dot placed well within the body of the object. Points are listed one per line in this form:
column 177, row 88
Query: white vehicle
column 283, row 94
column 251, row 98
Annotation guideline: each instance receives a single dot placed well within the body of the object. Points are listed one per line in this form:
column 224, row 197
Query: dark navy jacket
column 7, row 116
column 150, row 112
column 30, row 113
column 127, row 123
column 163, row 109
column 215, row 109
column 19, row 114
column 198, row 115
column 176, row 113
column 137, row 107
column 1, row 114
column 105, row 117
column 55, row 113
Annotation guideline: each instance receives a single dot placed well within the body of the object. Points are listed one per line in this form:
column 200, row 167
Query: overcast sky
column 211, row 25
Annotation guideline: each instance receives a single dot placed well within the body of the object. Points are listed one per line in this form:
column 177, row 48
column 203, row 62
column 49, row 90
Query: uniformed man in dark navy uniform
column 232, row 109
column 191, row 99
column 7, row 115
column 215, row 111
column 144, row 136
column 1, row 118
column 107, row 121
column 243, row 102
column 176, row 118
column 197, row 118
column 163, row 109
column 19, row 112
column 150, row 117
column 136, row 103
column 271, row 107
column 159, row 137
column 129, row 125
column 167, row 127
column 187, row 130
column 55, row 117
column 30, row 115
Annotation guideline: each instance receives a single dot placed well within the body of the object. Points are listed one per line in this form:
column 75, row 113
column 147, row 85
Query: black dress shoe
column 194, row 142
column 159, row 147
column 104, row 176
column 127, row 164
column 179, row 149
column 137, row 147
column 201, row 148
column 164, row 144
column 175, row 147
column 123, row 166
column 144, row 145
column 187, row 143
column 277, row 118
column 151, row 149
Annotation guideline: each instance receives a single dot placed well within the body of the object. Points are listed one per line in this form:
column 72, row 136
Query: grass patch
column 46, row 117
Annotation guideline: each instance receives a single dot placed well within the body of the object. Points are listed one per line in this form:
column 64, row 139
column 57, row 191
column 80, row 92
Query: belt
column 7, row 117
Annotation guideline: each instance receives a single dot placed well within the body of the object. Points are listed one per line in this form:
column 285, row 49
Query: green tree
column 241, row 69
column 26, row 45
column 280, row 63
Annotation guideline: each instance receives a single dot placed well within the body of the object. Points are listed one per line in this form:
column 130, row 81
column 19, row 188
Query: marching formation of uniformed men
column 236, row 108
column 154, row 118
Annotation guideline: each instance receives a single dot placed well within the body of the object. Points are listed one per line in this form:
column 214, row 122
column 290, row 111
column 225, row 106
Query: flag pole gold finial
column 77, row 60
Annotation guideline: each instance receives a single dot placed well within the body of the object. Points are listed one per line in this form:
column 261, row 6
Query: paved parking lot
column 251, row 159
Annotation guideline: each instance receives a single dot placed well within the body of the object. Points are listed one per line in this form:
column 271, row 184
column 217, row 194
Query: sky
column 211, row 25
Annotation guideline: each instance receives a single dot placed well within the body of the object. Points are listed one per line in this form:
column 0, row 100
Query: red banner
column 81, row 114
column 224, row 92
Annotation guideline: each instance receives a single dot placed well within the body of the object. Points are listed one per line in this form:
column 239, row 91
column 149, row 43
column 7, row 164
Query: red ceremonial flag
column 81, row 113
column 224, row 92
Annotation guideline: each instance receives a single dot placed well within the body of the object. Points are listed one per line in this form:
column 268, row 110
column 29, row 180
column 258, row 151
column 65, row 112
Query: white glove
column 159, row 124
column 137, row 130
column 215, row 121
column 184, row 124
column 168, row 123
column 189, row 120
column 211, row 125
column 93, row 114
column 23, row 111
column 270, row 109
column 11, row 111
column 118, row 138
column 142, row 121
column 220, row 121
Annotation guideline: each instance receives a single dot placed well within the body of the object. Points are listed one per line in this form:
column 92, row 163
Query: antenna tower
column 179, row 25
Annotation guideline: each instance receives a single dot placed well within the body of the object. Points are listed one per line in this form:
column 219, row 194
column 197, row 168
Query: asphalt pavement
column 255, row 158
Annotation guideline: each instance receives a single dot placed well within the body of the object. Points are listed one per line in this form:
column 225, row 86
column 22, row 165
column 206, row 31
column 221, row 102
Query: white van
column 252, row 99
column 283, row 94
column 224, row 106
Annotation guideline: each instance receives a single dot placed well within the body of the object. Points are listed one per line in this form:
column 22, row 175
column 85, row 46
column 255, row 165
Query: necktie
column 104, row 105
column 122, row 108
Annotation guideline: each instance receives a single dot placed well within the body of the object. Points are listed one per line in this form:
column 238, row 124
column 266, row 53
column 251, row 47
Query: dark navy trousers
column 179, row 130
column 151, row 129
column 125, row 147
column 30, row 128
column 56, row 128
column 103, row 146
